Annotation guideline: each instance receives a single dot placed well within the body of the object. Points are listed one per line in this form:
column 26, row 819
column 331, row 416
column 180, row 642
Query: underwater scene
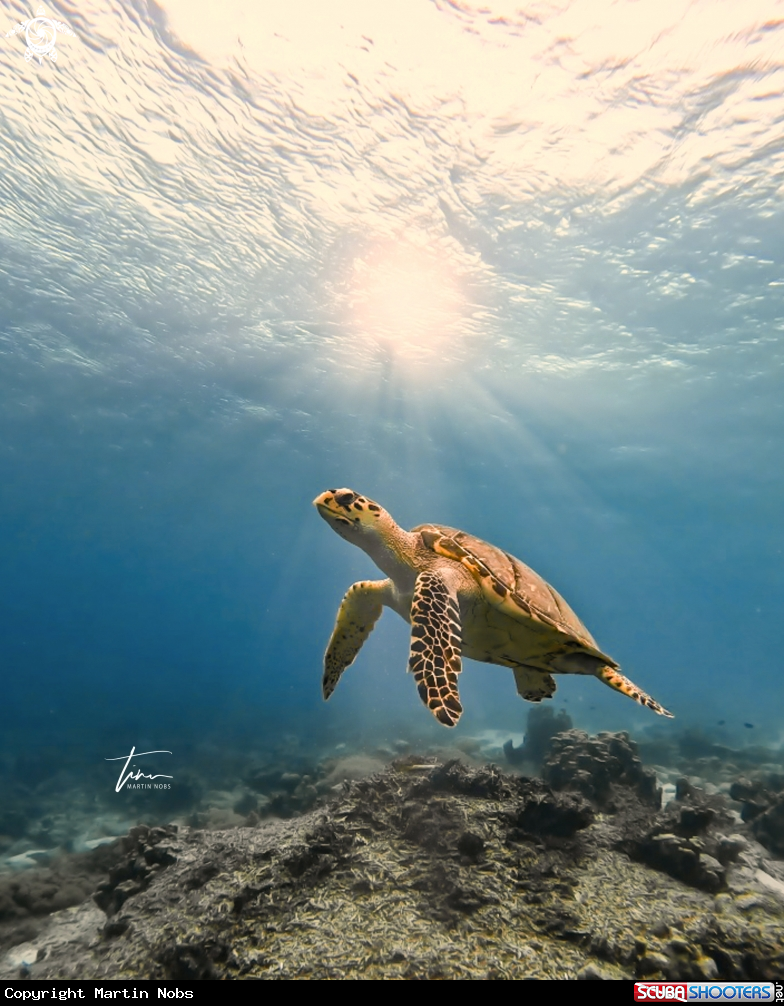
column 425, row 357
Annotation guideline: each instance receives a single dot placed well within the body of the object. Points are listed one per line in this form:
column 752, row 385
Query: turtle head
column 368, row 525
column 352, row 516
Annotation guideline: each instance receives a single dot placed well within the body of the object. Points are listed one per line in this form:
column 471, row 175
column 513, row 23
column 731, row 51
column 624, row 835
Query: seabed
column 588, row 865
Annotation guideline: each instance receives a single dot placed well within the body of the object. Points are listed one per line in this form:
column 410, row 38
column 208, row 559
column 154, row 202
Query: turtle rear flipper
column 359, row 611
column 612, row 676
column 534, row 685
column 435, row 646
column 607, row 670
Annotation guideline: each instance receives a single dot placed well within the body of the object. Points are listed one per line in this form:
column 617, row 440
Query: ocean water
column 514, row 268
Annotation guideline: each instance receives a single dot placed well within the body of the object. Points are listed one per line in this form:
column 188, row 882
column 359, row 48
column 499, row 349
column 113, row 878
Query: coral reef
column 542, row 725
column 603, row 768
column 440, row 871
column 763, row 806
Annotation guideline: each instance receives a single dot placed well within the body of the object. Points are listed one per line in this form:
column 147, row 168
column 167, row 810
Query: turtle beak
column 329, row 508
column 321, row 501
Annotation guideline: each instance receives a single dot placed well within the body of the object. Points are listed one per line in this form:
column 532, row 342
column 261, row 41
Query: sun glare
column 405, row 297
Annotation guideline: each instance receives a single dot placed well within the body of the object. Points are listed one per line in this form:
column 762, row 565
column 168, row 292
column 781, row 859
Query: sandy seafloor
column 577, row 857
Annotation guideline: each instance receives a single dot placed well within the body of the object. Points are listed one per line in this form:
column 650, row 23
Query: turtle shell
column 510, row 585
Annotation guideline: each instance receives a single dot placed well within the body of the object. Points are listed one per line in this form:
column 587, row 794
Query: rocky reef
column 763, row 808
column 543, row 725
column 606, row 769
column 436, row 870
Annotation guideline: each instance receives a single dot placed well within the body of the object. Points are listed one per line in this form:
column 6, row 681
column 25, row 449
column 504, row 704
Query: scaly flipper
column 359, row 611
column 533, row 685
column 435, row 646
column 607, row 671
column 613, row 677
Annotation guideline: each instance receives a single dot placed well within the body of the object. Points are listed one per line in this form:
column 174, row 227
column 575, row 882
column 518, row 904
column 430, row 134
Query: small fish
column 749, row 726
column 722, row 722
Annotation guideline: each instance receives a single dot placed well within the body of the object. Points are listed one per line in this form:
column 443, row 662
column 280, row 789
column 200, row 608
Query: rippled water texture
column 511, row 267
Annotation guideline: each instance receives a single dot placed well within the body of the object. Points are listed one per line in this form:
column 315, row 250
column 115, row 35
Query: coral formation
column 440, row 871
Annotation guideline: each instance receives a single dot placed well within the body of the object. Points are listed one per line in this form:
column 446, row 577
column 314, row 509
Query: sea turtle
column 461, row 596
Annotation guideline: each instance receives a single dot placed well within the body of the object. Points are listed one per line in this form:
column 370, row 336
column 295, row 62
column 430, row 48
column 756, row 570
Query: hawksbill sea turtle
column 461, row 597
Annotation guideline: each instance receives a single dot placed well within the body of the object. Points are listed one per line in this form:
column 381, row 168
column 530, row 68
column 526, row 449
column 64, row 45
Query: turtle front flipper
column 435, row 646
column 359, row 611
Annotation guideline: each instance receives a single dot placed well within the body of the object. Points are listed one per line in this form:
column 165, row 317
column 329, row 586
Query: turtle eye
column 346, row 498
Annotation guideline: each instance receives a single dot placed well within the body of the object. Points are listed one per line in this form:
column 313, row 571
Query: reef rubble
column 436, row 871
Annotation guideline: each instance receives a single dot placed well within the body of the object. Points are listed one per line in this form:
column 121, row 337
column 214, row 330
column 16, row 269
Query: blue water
column 521, row 274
